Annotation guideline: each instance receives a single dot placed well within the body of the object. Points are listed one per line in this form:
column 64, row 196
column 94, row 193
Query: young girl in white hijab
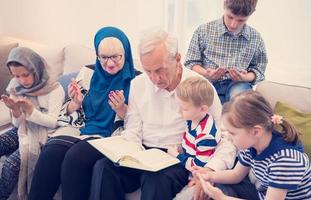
column 35, row 99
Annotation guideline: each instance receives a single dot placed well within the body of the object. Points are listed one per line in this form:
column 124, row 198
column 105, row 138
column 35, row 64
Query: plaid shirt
column 212, row 45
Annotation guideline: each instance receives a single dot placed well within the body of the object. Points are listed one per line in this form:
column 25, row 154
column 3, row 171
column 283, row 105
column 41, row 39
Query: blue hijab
column 98, row 113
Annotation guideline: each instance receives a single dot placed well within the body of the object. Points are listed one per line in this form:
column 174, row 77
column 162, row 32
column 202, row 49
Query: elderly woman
column 69, row 160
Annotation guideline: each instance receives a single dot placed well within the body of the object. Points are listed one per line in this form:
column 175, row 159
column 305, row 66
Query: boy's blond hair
column 197, row 90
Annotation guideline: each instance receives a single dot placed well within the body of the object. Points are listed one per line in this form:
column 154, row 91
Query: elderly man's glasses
column 114, row 58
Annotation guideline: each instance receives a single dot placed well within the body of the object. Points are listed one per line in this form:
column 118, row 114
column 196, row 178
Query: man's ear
column 178, row 57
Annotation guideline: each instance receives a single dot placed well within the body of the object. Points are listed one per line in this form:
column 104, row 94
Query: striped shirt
column 200, row 143
column 212, row 45
column 281, row 165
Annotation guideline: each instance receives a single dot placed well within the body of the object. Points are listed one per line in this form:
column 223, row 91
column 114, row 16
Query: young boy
column 195, row 96
column 228, row 52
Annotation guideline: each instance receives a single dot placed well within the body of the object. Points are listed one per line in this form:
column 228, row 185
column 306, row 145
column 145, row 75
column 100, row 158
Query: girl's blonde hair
column 197, row 90
column 250, row 108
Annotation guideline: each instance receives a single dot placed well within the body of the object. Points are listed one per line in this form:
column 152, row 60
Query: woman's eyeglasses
column 114, row 58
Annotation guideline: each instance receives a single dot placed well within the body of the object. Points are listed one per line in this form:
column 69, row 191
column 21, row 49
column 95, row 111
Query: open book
column 130, row 154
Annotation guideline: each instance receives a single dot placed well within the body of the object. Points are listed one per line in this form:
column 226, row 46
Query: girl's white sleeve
column 16, row 121
column 47, row 117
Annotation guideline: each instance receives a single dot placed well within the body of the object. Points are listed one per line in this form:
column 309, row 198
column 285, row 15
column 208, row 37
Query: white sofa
column 72, row 57
column 63, row 60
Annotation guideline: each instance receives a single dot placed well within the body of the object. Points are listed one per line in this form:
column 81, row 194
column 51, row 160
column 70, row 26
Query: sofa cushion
column 5, row 75
column 294, row 95
column 77, row 56
column 65, row 79
column 53, row 56
column 301, row 120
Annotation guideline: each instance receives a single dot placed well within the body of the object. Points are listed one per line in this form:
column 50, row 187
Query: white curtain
column 184, row 16
column 286, row 33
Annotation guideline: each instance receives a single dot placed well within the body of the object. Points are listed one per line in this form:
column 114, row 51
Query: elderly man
column 153, row 120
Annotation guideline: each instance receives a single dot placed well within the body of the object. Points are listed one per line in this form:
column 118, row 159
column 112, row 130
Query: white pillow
column 53, row 56
column 77, row 56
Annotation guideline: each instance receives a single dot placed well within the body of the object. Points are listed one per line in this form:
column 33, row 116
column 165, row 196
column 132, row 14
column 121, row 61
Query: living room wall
column 58, row 22
column 285, row 26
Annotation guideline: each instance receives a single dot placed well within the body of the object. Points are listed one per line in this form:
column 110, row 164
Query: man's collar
column 222, row 29
column 163, row 91
column 156, row 89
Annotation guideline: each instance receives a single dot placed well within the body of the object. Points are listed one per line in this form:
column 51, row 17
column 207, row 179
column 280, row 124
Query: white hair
column 111, row 45
column 151, row 39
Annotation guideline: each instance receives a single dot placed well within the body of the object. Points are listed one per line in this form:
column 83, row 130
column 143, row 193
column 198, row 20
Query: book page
column 155, row 159
column 116, row 147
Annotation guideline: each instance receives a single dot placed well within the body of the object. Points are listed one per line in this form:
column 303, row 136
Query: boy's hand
column 209, row 189
column 215, row 74
column 241, row 75
column 202, row 170
column 199, row 193
column 173, row 151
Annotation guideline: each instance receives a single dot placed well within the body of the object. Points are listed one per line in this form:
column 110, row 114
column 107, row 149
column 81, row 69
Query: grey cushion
column 65, row 80
column 5, row 75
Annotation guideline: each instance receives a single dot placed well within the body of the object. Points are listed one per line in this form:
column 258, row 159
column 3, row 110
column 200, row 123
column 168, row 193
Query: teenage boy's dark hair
column 241, row 7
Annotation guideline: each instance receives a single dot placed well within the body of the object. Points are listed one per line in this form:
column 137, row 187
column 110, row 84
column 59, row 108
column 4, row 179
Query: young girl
column 35, row 101
column 275, row 160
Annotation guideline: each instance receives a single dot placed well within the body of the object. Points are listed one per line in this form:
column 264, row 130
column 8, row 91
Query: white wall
column 61, row 22
column 285, row 26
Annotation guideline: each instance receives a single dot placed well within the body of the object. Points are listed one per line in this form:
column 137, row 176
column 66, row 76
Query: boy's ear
column 204, row 108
